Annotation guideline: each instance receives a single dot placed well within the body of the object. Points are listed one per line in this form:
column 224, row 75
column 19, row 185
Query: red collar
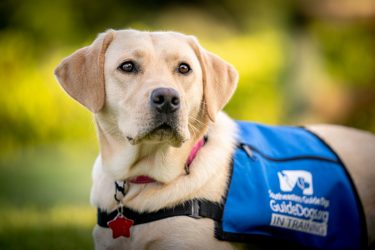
column 143, row 179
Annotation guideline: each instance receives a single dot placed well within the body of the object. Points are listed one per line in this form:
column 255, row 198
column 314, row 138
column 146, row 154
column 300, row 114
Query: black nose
column 165, row 100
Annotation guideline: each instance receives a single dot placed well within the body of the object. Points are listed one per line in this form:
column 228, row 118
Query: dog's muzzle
column 165, row 124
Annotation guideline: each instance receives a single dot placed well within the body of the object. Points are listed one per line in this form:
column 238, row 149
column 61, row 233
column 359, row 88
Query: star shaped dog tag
column 120, row 226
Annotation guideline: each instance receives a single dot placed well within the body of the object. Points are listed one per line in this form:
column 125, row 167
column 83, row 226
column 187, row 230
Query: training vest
column 288, row 184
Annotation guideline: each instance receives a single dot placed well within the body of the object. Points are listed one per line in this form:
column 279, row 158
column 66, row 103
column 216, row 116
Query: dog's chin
column 163, row 133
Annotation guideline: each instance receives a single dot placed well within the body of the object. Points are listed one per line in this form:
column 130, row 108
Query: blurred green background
column 299, row 62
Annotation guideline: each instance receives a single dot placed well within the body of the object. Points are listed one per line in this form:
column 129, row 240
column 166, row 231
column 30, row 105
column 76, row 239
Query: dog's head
column 154, row 87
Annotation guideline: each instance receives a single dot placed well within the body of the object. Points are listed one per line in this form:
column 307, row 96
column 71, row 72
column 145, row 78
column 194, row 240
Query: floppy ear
column 219, row 80
column 82, row 73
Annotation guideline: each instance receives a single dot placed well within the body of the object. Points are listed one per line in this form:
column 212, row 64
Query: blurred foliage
column 44, row 197
column 299, row 62
column 348, row 51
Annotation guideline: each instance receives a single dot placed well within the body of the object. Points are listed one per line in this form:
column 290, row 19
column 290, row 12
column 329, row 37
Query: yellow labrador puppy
column 154, row 96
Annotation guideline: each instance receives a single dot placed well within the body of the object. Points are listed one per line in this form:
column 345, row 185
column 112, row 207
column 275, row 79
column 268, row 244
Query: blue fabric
column 291, row 186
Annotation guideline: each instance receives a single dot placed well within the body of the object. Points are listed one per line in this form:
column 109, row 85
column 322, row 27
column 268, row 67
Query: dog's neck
column 160, row 161
column 120, row 160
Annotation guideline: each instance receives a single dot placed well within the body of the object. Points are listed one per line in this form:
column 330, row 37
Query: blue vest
column 288, row 184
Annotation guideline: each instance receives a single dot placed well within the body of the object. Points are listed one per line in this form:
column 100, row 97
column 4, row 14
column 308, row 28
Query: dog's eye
column 127, row 67
column 184, row 68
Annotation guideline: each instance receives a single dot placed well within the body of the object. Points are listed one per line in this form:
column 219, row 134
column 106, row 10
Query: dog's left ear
column 219, row 80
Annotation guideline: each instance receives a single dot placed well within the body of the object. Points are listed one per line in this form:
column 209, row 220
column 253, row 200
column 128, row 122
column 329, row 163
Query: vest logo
column 296, row 180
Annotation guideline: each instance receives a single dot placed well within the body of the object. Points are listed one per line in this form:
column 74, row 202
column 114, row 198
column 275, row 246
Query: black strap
column 193, row 208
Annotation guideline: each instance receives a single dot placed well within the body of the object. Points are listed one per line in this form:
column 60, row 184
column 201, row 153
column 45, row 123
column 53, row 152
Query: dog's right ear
column 82, row 73
column 219, row 79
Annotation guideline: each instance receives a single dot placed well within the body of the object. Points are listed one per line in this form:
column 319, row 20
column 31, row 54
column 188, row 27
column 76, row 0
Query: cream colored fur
column 125, row 117
column 207, row 178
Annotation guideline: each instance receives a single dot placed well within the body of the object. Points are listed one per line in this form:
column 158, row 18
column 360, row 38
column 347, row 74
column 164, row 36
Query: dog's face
column 158, row 87
column 154, row 85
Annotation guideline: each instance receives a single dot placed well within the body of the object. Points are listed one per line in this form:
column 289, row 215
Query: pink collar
column 194, row 151
column 143, row 179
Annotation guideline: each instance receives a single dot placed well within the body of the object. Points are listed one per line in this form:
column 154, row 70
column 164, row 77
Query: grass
column 44, row 198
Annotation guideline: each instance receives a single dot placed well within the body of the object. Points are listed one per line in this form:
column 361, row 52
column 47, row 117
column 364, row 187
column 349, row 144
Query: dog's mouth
column 163, row 127
column 142, row 179
column 162, row 133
